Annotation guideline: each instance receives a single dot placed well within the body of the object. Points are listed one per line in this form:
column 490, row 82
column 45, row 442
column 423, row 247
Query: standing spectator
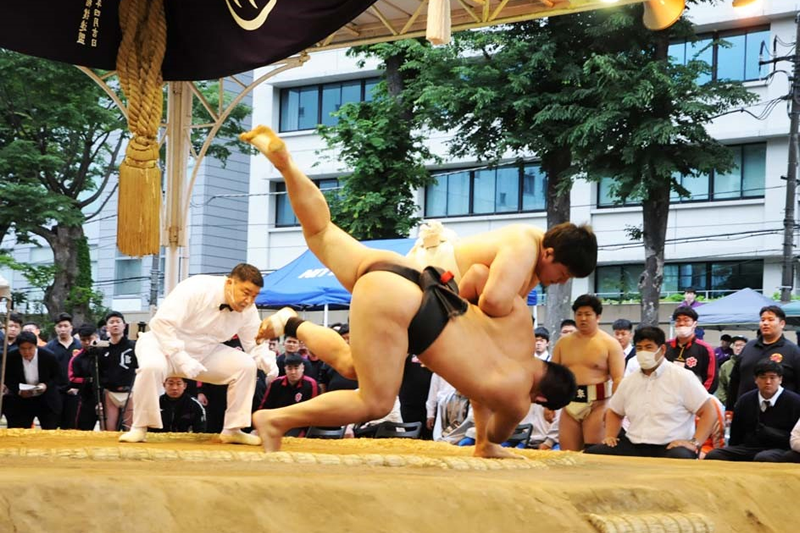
column 772, row 345
column 117, row 367
column 290, row 389
column 85, row 417
column 180, row 412
column 413, row 393
column 14, row 329
column 660, row 401
column 542, row 343
column 32, row 380
column 567, row 326
column 690, row 298
column 313, row 365
column 688, row 351
column 623, row 332
column 762, row 419
column 596, row 359
column 33, row 327
column 65, row 347
column 737, row 345
column 724, row 351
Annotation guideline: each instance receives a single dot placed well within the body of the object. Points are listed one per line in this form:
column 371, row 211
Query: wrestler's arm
column 473, row 282
column 484, row 445
column 515, row 260
column 616, row 362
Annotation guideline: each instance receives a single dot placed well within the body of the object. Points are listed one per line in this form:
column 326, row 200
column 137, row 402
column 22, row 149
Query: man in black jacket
column 33, row 377
column 180, row 412
column 762, row 419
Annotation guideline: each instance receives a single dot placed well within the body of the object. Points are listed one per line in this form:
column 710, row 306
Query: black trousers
column 746, row 453
column 69, row 411
column 627, row 448
column 790, row 457
column 20, row 412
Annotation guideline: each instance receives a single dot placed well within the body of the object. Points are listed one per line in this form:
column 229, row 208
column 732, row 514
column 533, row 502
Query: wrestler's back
column 587, row 356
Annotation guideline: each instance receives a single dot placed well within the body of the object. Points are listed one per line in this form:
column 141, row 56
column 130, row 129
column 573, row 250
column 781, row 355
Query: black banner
column 205, row 38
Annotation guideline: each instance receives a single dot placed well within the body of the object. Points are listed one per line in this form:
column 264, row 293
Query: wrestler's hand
column 187, row 366
column 611, row 442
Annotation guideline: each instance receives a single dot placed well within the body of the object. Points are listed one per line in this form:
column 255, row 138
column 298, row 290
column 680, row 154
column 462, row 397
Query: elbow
column 494, row 306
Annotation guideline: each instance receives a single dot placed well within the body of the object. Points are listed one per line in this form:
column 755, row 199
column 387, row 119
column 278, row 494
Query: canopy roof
column 735, row 311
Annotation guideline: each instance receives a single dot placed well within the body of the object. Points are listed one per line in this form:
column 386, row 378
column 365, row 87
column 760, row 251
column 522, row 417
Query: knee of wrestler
column 378, row 407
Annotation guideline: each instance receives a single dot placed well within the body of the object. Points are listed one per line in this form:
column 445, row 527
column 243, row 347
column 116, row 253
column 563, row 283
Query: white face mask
column 684, row 331
column 648, row 360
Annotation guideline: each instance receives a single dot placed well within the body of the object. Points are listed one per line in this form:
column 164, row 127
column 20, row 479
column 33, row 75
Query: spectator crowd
column 639, row 393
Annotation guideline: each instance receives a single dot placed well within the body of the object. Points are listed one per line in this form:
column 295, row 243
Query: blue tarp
column 306, row 283
column 735, row 311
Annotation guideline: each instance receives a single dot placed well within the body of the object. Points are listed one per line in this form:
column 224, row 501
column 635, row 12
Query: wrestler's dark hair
column 775, row 310
column 685, row 310
column 573, row 246
column 762, row 367
column 558, row 386
column 588, row 300
column 649, row 333
column 245, row 272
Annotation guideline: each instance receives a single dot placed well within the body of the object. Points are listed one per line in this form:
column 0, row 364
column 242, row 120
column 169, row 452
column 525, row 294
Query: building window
column 128, row 277
column 304, row 108
column 710, row 279
column 746, row 180
column 506, row 189
column 284, row 216
column 737, row 61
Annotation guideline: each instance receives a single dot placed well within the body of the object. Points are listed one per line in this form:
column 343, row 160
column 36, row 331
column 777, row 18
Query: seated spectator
column 660, row 401
column 762, row 419
column 793, row 455
column 291, row 345
column 737, row 345
column 33, row 327
column 290, row 389
column 32, row 380
column 180, row 412
column 544, row 435
column 688, row 351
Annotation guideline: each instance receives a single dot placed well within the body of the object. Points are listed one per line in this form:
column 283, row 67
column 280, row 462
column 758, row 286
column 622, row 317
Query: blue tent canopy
column 306, row 283
column 735, row 311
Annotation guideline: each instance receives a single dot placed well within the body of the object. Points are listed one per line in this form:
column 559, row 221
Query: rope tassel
column 144, row 38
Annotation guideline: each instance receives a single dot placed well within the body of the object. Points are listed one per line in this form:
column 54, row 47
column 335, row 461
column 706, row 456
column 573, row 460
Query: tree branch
column 110, row 194
column 109, row 171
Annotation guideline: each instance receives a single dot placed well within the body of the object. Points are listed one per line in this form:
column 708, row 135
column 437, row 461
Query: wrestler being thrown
column 396, row 310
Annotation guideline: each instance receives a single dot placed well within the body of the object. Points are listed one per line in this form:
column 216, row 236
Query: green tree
column 643, row 124
column 380, row 143
column 60, row 141
column 491, row 87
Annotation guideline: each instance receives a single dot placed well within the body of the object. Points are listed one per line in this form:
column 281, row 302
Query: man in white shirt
column 185, row 340
column 542, row 343
column 793, row 455
column 661, row 401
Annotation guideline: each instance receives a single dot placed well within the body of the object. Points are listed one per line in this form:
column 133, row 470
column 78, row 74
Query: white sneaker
column 134, row 435
column 239, row 437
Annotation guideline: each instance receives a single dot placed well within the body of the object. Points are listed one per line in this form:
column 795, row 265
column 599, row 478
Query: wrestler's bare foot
column 270, row 435
column 272, row 327
column 494, row 451
column 269, row 144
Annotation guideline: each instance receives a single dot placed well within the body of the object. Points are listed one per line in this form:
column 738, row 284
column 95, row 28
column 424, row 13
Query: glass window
column 483, row 201
column 618, row 281
column 677, row 53
column 128, row 277
column 436, row 198
column 458, row 194
column 284, row 215
column 692, row 275
column 304, row 108
column 729, row 184
column 534, row 188
column 754, row 171
column 701, row 50
column 752, row 70
column 605, row 197
column 507, row 190
column 731, row 57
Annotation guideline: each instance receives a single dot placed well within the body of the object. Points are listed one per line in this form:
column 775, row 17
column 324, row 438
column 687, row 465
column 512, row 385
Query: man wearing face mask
column 661, row 401
column 688, row 351
column 186, row 339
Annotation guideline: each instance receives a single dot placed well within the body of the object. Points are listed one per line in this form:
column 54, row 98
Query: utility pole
column 787, row 278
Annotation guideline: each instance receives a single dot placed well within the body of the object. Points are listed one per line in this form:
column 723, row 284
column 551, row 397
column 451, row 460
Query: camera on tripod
column 96, row 347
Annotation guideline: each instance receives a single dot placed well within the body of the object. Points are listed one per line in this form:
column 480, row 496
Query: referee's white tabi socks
column 237, row 436
column 134, row 435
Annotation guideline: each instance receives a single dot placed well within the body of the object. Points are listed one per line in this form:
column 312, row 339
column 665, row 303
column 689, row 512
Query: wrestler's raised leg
column 337, row 250
column 379, row 344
